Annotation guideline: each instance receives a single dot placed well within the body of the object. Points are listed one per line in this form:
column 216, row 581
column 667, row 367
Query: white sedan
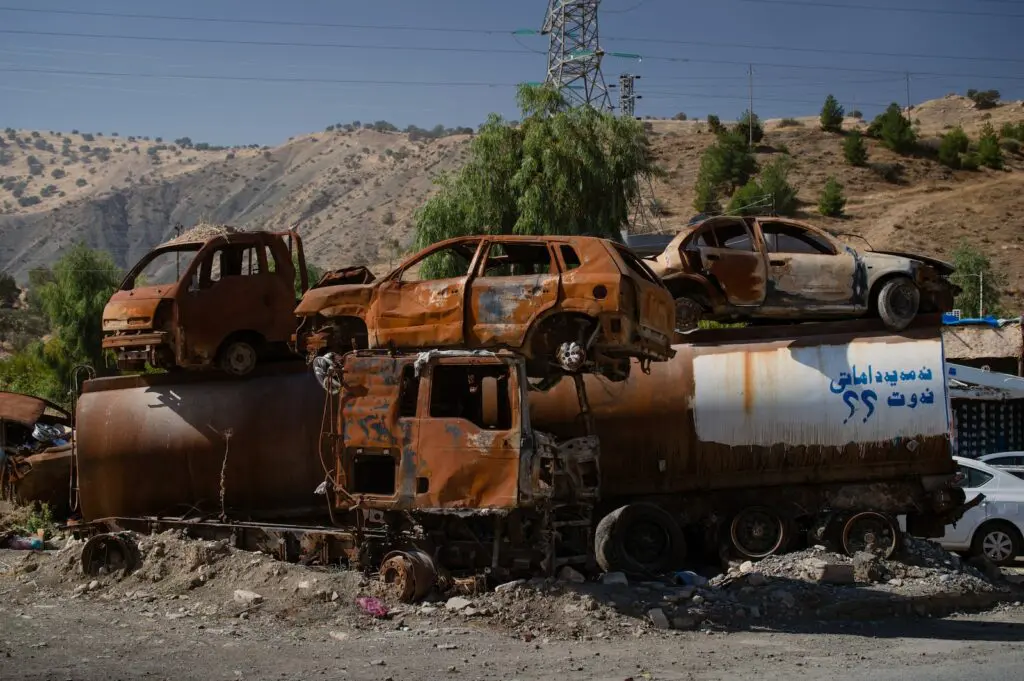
column 995, row 527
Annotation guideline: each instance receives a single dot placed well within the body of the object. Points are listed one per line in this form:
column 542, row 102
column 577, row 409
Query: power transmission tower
column 645, row 202
column 627, row 96
column 574, row 52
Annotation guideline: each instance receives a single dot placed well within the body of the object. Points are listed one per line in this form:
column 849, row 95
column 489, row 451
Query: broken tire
column 640, row 540
column 898, row 303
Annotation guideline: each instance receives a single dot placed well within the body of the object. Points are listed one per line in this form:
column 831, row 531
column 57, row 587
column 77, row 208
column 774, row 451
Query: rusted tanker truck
column 749, row 439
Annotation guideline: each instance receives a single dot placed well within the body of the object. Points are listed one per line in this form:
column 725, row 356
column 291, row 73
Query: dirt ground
column 203, row 610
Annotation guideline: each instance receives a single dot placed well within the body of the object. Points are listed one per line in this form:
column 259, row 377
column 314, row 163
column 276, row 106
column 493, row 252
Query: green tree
column 984, row 99
column 989, row 153
column 724, row 166
column 749, row 199
column 715, row 124
column 73, row 300
column 831, row 115
column 832, row 203
column 9, row 290
column 31, row 371
column 563, row 170
column 749, row 127
column 774, row 181
column 706, row 198
column 854, row 150
column 894, row 130
column 954, row 143
column 979, row 283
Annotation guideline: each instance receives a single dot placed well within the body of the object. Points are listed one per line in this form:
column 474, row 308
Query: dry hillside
column 353, row 193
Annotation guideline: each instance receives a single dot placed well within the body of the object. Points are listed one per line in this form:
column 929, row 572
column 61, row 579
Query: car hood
column 128, row 311
column 332, row 301
column 941, row 266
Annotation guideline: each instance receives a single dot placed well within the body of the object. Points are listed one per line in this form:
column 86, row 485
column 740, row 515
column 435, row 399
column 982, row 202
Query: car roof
column 999, row 455
column 985, row 468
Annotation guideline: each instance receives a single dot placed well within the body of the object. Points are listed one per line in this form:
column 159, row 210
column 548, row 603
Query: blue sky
column 695, row 77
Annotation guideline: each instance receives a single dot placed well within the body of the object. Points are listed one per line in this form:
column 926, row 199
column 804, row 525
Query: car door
column 423, row 304
column 731, row 259
column 230, row 290
column 973, row 482
column 516, row 282
column 806, row 269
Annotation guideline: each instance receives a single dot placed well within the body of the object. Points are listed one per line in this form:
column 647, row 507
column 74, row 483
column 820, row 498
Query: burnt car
column 768, row 268
column 223, row 299
column 35, row 452
column 566, row 303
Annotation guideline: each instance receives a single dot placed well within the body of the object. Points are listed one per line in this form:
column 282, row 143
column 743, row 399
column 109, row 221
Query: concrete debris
column 830, row 573
column 509, row 586
column 746, row 567
column 867, row 568
column 614, row 579
column 339, row 635
column 567, row 574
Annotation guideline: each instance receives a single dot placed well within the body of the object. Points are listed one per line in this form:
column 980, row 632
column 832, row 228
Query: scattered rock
column 509, row 586
column 457, row 603
column 658, row 618
column 568, row 574
column 93, row 585
column 746, row 566
column 830, row 573
column 339, row 635
column 867, row 567
column 247, row 598
column 614, row 579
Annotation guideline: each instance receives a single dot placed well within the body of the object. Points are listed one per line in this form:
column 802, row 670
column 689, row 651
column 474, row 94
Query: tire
column 641, row 540
column 999, row 541
column 898, row 303
column 238, row 358
column 688, row 314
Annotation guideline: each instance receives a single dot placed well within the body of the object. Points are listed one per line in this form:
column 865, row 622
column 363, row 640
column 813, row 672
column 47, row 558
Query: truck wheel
column 641, row 540
column 898, row 303
column 757, row 532
column 1000, row 542
column 871, row 532
column 238, row 358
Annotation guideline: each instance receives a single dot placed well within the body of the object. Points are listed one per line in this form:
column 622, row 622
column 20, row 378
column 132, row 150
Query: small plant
column 890, row 172
column 715, row 124
column 679, row 116
column 832, row 203
column 831, row 115
column 774, row 180
column 1010, row 144
column 989, row 153
column 970, row 161
column 58, row 173
column 749, row 126
column 81, row 182
column 790, row 123
column 854, row 150
column 388, row 218
column 40, row 518
column 894, row 130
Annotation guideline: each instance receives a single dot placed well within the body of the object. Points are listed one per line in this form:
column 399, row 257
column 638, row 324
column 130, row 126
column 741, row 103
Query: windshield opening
column 162, row 267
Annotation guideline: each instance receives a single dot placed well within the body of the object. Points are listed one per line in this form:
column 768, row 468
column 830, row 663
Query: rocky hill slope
column 353, row 193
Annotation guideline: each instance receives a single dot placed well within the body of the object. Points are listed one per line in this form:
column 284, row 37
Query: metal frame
column 574, row 52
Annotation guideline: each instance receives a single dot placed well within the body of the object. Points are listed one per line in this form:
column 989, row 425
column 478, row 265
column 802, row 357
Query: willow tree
column 562, row 170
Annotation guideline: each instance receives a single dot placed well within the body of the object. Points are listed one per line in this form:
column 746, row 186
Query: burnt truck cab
column 444, row 438
column 226, row 301
column 565, row 302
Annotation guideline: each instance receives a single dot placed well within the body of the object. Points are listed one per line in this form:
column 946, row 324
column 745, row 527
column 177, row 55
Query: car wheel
column 238, row 358
column 998, row 541
column 641, row 540
column 898, row 303
column 688, row 314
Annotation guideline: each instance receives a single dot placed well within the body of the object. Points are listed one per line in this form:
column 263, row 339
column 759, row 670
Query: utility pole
column 908, row 91
column 574, row 52
column 627, row 96
column 750, row 126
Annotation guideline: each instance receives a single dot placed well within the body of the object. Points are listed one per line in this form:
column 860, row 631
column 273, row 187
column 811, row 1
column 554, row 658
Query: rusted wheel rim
column 877, row 528
column 757, row 532
column 688, row 313
column 108, row 551
column 241, row 358
column 407, row 575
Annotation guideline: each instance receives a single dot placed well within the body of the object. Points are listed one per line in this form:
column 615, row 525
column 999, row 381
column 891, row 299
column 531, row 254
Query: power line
column 257, row 79
column 399, row 27
column 258, row 22
column 883, row 8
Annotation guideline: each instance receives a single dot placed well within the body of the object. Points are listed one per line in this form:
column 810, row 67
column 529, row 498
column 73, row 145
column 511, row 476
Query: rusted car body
column 32, row 470
column 224, row 301
column 528, row 294
column 769, row 268
column 806, row 425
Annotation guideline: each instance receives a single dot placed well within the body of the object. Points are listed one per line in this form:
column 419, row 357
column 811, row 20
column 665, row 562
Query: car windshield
column 161, row 267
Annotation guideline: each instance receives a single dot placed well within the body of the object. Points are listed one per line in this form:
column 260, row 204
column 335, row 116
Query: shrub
column 969, row 161
column 88, row 137
column 984, row 99
column 1010, row 144
column 81, row 182
column 749, row 126
column 790, row 123
column 725, row 165
column 706, row 198
column 388, row 218
column 750, row 199
column 679, row 116
column 854, row 150
column 954, row 143
column 1013, row 131
column 890, row 172
column 989, row 153
column 894, row 130
column 26, row 201
column 831, row 115
column 856, row 113
column 832, row 203
column 714, row 124
column 58, row 173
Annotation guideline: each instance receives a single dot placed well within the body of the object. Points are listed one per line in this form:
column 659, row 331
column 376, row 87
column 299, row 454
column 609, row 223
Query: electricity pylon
column 574, row 52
